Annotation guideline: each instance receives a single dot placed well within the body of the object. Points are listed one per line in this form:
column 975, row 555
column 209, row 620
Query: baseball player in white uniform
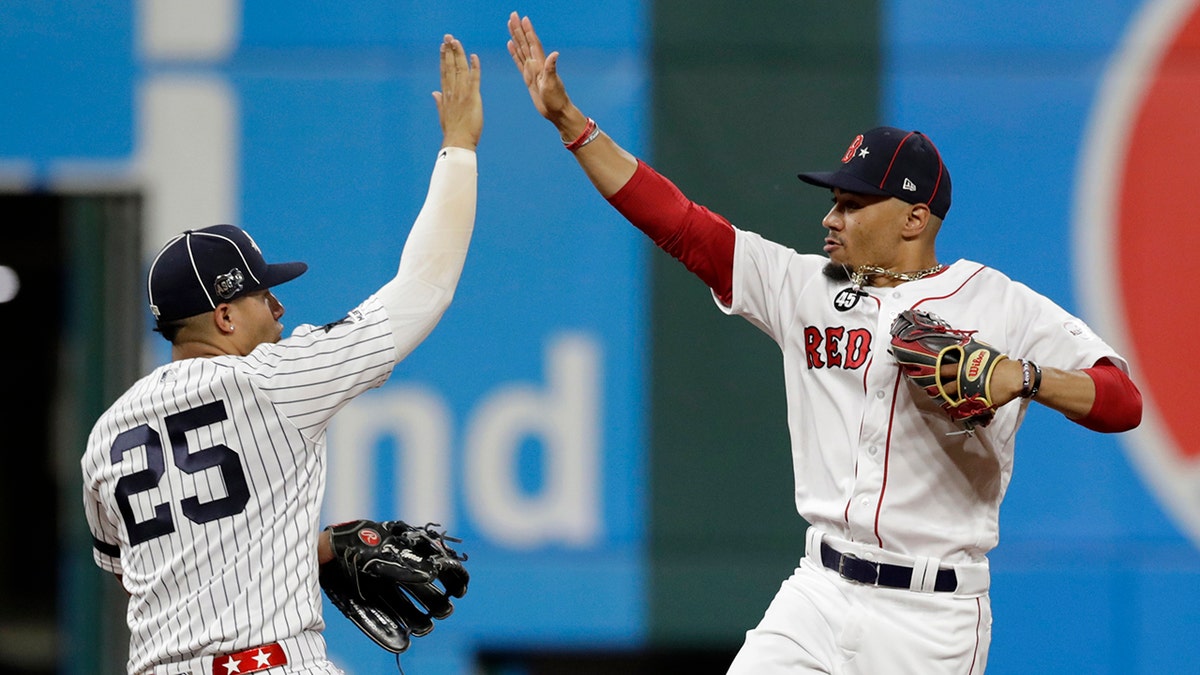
column 203, row 482
column 903, row 502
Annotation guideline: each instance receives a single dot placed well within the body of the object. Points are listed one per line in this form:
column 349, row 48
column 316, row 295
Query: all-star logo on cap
column 229, row 283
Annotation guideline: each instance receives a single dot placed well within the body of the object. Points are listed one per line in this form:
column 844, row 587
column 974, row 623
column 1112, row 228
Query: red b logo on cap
column 853, row 147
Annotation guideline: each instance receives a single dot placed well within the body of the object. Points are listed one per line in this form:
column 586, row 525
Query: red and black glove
column 923, row 343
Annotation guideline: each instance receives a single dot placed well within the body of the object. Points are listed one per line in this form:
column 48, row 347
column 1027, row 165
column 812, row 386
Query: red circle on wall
column 1137, row 236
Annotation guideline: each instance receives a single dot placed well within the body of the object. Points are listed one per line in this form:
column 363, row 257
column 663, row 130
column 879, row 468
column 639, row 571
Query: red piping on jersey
column 891, row 418
column 960, row 287
column 887, row 455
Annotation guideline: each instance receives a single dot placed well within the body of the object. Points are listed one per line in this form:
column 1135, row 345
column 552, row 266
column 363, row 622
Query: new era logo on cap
column 891, row 162
column 200, row 269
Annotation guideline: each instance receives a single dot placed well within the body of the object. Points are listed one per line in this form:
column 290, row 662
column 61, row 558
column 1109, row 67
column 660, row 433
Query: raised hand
column 539, row 70
column 459, row 104
column 606, row 164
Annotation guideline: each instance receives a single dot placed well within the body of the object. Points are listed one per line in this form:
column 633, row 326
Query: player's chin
column 837, row 271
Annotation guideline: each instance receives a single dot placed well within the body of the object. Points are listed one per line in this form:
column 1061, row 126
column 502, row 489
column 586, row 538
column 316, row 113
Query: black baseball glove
column 392, row 579
column 922, row 343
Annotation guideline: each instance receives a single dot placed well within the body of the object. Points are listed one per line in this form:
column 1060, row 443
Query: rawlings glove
column 392, row 579
column 922, row 343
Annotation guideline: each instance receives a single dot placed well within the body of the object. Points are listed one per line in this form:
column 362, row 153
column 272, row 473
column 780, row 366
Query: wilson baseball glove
column 392, row 579
column 922, row 343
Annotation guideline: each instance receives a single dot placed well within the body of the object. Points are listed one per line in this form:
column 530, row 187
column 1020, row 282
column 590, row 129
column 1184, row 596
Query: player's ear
column 223, row 318
column 917, row 220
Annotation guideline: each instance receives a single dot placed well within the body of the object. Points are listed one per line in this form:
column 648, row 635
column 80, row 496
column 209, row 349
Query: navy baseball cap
column 891, row 162
column 199, row 269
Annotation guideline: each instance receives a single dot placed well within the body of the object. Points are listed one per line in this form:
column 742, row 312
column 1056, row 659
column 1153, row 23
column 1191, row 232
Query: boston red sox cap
column 200, row 269
column 891, row 162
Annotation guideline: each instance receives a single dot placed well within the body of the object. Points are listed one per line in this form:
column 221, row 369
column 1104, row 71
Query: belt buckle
column 857, row 563
column 841, row 570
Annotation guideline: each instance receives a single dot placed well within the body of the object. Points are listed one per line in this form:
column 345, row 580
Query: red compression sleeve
column 702, row 240
column 1118, row 404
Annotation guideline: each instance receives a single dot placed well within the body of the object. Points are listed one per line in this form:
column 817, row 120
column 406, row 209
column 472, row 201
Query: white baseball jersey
column 203, row 482
column 877, row 461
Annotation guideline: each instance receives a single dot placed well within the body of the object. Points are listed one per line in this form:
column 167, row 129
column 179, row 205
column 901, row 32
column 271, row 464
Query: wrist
column 571, row 124
column 589, row 134
column 1031, row 379
column 324, row 547
column 460, row 141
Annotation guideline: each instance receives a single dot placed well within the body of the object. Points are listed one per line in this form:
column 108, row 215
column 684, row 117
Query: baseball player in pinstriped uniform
column 203, row 482
column 902, row 496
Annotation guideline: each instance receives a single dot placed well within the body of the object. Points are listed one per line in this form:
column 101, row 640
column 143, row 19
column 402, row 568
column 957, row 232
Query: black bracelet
column 1031, row 379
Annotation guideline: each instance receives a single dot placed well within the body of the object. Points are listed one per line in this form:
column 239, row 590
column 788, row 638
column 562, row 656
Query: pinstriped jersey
column 203, row 485
column 876, row 460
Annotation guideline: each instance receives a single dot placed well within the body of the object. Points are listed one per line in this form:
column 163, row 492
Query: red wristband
column 590, row 132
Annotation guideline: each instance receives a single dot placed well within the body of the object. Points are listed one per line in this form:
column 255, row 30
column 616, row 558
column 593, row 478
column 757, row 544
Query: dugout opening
column 70, row 275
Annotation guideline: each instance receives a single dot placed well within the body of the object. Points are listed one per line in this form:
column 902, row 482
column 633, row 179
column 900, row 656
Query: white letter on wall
column 419, row 423
column 564, row 417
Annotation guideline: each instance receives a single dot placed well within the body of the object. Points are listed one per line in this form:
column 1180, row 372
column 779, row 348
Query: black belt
column 854, row 568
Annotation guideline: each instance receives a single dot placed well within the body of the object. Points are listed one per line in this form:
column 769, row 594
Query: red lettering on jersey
column 832, row 337
column 812, row 345
column 835, row 347
column 858, row 348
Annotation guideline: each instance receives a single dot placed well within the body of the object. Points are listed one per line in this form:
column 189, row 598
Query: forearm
column 607, row 165
column 1070, row 392
column 435, row 251
column 1102, row 398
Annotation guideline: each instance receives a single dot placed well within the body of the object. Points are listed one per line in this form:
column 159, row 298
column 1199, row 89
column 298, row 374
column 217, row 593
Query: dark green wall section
column 745, row 96
column 103, row 314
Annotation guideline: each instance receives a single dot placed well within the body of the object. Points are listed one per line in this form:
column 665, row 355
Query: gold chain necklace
column 859, row 276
